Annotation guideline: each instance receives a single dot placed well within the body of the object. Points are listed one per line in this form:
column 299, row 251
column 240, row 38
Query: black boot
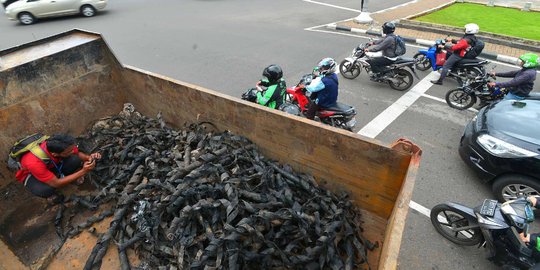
column 439, row 82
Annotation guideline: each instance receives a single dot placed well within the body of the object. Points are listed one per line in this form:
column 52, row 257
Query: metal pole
column 364, row 13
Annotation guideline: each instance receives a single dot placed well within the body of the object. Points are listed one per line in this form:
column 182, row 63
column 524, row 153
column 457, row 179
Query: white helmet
column 471, row 28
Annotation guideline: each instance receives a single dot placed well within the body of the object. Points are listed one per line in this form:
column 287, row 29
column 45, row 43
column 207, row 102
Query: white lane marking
column 324, row 25
column 394, row 7
column 434, row 98
column 421, row 209
column 356, row 10
column 329, row 5
column 384, row 119
column 444, row 101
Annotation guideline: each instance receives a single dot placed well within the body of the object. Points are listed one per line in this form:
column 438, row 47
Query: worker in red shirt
column 61, row 163
column 459, row 49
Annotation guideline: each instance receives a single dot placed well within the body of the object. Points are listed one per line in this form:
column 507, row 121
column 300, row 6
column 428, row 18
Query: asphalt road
column 224, row 45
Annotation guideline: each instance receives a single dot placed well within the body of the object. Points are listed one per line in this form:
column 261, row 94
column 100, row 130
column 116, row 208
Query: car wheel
column 509, row 187
column 88, row 11
column 26, row 18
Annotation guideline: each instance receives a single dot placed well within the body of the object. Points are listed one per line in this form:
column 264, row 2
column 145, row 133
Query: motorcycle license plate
column 488, row 207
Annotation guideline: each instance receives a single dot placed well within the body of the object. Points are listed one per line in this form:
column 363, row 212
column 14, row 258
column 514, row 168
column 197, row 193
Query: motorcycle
column 492, row 225
column 340, row 115
column 476, row 88
column 396, row 75
column 435, row 57
column 473, row 89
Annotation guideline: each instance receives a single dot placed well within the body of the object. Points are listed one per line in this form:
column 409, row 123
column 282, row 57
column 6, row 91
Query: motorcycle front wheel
column 447, row 223
column 459, row 99
column 404, row 80
column 422, row 62
column 349, row 70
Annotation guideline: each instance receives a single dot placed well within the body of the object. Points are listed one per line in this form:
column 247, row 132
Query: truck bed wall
column 46, row 87
column 69, row 89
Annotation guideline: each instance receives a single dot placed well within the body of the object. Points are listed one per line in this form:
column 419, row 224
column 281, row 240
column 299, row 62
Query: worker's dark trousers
column 312, row 110
column 448, row 65
column 378, row 64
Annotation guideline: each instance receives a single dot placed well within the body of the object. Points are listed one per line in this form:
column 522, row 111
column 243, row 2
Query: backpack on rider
column 400, row 46
column 475, row 49
column 27, row 144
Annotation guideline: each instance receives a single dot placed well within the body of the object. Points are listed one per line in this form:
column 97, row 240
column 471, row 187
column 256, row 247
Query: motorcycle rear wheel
column 405, row 78
column 444, row 219
column 335, row 122
column 349, row 70
column 422, row 62
column 459, row 99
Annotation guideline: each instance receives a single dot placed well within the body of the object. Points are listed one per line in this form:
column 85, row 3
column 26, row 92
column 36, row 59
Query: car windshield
column 519, row 119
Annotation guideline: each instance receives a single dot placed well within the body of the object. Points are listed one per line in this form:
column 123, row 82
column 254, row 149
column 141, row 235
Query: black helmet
column 273, row 73
column 388, row 27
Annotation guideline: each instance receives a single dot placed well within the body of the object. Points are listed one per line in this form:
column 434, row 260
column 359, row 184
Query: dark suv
column 502, row 143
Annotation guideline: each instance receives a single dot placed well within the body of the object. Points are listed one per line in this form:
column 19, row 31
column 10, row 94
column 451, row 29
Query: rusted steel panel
column 58, row 93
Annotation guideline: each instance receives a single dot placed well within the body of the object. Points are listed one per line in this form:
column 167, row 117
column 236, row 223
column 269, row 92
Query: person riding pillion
column 523, row 80
column 386, row 45
column 324, row 87
column 273, row 96
column 459, row 49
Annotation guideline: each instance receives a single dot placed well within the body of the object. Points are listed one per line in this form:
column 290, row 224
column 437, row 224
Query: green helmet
column 530, row 60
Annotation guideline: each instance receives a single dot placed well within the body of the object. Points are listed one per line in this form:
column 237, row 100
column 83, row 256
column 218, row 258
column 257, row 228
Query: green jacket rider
column 274, row 94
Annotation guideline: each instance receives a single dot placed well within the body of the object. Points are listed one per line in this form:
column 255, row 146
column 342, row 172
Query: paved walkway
column 419, row 6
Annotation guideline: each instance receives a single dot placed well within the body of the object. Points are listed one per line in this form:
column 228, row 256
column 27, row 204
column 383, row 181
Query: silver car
column 27, row 11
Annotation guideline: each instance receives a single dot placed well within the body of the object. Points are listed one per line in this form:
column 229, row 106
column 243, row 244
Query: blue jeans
column 511, row 96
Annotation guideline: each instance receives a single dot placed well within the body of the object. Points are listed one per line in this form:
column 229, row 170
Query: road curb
column 423, row 42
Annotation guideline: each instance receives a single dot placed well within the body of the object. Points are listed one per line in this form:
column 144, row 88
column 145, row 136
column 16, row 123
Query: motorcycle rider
column 459, row 49
column 386, row 45
column 523, row 80
column 273, row 93
column 324, row 87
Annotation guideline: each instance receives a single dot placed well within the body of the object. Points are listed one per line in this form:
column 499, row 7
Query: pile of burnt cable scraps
column 198, row 199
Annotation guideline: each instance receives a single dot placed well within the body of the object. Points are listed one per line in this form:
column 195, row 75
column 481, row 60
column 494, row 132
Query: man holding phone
column 57, row 164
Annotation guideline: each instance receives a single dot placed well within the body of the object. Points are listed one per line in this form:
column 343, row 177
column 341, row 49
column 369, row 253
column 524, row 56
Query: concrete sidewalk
column 421, row 6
